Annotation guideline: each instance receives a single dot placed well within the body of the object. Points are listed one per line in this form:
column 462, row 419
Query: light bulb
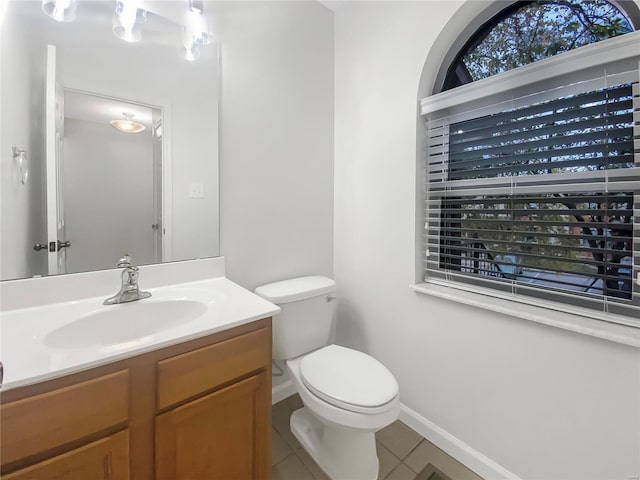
column 197, row 28
column 127, row 19
column 60, row 10
column 189, row 50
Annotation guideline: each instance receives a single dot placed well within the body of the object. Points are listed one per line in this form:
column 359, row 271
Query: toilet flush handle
column 330, row 298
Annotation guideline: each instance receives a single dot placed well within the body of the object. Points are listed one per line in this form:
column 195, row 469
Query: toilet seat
column 348, row 379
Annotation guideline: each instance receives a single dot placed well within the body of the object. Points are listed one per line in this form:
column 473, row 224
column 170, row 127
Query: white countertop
column 28, row 358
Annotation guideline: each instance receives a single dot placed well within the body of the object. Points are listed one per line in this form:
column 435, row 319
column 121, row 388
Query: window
column 533, row 176
column 526, row 32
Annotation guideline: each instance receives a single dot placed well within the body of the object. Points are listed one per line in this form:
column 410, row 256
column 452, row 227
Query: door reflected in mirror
column 121, row 138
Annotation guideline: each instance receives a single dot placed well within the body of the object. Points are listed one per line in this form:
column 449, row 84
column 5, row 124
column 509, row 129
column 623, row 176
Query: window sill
column 613, row 332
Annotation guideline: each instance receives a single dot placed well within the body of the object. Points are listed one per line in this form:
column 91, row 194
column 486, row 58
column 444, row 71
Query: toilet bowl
column 347, row 395
column 338, row 434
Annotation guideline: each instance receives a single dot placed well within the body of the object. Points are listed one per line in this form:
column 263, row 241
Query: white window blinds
column 534, row 191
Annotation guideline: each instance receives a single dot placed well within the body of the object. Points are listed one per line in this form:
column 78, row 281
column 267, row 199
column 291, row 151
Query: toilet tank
column 306, row 317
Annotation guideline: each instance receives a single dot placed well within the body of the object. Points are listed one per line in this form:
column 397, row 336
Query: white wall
column 541, row 402
column 276, row 140
column 22, row 126
column 104, row 226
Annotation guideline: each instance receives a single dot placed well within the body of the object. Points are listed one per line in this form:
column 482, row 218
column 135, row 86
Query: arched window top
column 528, row 31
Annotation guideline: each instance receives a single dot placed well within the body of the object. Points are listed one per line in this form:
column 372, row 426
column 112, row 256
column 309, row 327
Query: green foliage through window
column 530, row 31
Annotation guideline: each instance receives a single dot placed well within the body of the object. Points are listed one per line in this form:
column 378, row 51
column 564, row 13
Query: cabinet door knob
column 40, row 246
column 62, row 245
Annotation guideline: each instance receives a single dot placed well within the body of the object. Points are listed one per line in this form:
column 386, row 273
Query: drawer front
column 104, row 459
column 52, row 419
column 192, row 373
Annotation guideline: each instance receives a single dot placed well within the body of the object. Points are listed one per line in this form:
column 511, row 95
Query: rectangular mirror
column 109, row 135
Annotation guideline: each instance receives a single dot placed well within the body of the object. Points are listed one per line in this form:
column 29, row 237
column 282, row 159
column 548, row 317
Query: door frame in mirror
column 167, row 165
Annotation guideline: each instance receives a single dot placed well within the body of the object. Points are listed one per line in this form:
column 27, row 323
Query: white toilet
column 347, row 395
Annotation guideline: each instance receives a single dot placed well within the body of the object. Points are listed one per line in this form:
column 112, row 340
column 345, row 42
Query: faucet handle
column 124, row 261
column 130, row 276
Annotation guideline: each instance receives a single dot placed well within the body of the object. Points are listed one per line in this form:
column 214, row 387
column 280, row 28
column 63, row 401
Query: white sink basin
column 127, row 322
column 55, row 339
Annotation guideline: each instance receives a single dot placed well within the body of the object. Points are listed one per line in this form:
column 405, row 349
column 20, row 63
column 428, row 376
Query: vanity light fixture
column 127, row 125
column 60, row 10
column 127, row 20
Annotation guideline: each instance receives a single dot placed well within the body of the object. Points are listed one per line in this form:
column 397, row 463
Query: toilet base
column 343, row 453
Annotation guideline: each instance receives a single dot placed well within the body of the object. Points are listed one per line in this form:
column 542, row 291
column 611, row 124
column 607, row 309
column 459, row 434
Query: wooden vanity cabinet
column 196, row 410
column 107, row 458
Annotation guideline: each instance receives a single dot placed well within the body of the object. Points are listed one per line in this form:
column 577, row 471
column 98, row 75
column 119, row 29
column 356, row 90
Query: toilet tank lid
column 296, row 289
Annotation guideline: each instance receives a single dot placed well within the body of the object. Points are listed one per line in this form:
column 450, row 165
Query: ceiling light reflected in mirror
column 127, row 125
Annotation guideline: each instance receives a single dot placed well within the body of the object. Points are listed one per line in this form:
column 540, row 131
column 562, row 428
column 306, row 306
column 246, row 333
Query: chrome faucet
column 129, row 291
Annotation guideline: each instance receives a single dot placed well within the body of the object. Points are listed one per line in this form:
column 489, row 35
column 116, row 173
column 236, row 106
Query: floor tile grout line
column 392, row 470
column 283, row 459
column 390, row 451
column 411, row 469
column 413, row 450
column 422, row 439
column 295, row 452
column 397, row 467
column 407, row 455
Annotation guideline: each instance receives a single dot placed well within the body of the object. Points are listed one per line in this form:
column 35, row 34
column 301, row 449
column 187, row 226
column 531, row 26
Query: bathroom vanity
column 203, row 408
column 188, row 401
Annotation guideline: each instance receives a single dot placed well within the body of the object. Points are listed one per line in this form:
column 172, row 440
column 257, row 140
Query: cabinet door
column 224, row 435
column 104, row 459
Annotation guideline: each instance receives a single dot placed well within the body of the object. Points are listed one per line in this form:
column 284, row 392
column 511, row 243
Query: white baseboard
column 282, row 391
column 472, row 459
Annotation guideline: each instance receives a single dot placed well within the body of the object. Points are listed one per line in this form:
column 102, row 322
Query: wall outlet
column 196, row 190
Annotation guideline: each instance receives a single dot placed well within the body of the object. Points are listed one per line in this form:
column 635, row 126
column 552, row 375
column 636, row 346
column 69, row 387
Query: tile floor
column 403, row 453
